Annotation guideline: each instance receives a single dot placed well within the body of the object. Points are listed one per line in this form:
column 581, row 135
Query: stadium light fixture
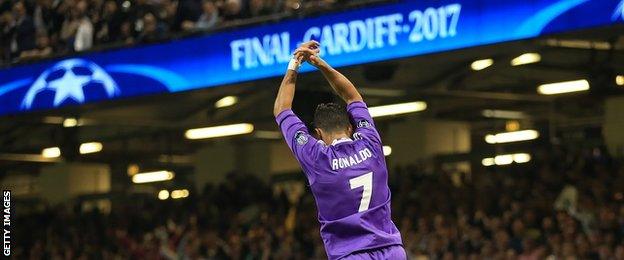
column 503, row 114
column 70, row 122
column 522, row 157
column 506, row 159
column 52, row 152
column 563, row 87
column 146, row 177
column 219, row 131
column 163, row 194
column 387, row 150
column 397, row 109
column 226, row 101
column 526, row 58
column 179, row 194
column 92, row 147
column 481, row 64
column 619, row 80
column 487, row 161
column 508, row 137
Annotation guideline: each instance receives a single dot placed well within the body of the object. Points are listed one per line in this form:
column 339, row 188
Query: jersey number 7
column 365, row 181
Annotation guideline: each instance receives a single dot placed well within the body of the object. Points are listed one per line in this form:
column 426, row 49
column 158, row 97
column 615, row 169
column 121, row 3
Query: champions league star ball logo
column 67, row 79
column 363, row 123
column 619, row 12
column 301, row 138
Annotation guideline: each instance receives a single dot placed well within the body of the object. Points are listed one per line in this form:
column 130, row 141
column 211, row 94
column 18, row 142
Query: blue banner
column 359, row 36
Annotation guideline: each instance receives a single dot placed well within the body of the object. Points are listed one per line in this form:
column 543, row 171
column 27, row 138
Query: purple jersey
column 349, row 181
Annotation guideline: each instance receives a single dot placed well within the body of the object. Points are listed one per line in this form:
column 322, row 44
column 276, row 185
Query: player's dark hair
column 331, row 117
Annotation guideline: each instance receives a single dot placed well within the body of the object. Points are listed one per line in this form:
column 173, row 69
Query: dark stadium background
column 244, row 197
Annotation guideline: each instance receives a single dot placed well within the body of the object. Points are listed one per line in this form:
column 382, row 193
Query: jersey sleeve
column 363, row 123
column 304, row 146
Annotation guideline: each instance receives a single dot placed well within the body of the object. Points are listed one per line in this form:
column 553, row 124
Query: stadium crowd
column 34, row 29
column 562, row 205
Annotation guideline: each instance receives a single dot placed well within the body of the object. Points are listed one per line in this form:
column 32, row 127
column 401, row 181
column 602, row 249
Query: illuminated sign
column 353, row 37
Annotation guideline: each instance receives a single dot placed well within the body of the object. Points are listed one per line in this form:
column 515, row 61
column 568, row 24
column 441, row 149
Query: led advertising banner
column 371, row 34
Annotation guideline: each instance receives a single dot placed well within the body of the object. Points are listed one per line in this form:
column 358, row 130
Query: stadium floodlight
column 563, row 87
column 146, row 177
column 226, row 101
column 219, row 131
column 506, row 159
column 163, row 194
column 487, row 161
column 387, row 150
column 503, row 114
column 52, row 152
column 521, row 157
column 397, row 109
column 526, row 58
column 70, row 122
column 92, row 147
column 179, row 194
column 508, row 137
column 481, row 64
column 619, row 80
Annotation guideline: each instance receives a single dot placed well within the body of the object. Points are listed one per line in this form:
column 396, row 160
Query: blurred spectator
column 152, row 30
column 319, row 6
column 77, row 29
column 21, row 30
column 168, row 12
column 232, row 10
column 6, row 28
column 42, row 50
column 109, row 26
column 139, row 11
column 188, row 10
column 126, row 33
column 46, row 18
column 207, row 20
column 259, row 8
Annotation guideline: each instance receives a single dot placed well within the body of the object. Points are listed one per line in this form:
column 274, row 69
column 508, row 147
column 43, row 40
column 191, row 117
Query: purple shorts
column 395, row 252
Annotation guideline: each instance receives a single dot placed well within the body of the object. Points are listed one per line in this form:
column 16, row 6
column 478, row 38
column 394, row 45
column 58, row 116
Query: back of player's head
column 331, row 117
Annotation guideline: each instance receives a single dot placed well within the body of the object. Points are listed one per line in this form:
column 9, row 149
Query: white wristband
column 294, row 65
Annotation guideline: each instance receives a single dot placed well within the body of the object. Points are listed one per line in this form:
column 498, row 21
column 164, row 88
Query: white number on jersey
column 365, row 181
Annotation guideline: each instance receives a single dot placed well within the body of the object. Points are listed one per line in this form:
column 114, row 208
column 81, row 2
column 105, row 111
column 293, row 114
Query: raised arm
column 341, row 85
column 286, row 92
